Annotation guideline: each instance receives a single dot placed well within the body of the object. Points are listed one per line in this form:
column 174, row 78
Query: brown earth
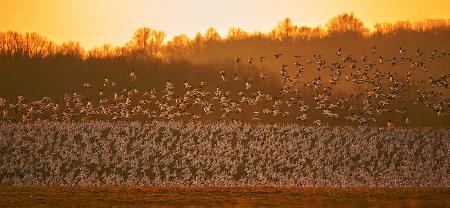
column 45, row 196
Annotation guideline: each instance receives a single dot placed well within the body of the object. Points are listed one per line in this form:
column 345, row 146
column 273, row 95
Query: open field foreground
column 44, row 196
column 167, row 154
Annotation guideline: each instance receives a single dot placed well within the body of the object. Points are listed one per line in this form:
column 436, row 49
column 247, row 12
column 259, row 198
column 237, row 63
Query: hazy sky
column 94, row 22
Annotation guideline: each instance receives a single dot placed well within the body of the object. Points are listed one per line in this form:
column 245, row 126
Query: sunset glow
column 94, row 23
column 231, row 103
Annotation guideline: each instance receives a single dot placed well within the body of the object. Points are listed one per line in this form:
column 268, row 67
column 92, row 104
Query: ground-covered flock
column 221, row 154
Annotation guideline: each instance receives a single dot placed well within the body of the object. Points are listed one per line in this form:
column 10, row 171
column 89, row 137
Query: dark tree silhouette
column 346, row 23
column 146, row 42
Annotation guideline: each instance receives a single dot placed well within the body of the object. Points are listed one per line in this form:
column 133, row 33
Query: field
column 44, row 196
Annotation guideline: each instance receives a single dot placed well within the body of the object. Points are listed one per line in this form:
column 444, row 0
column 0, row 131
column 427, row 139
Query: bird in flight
column 339, row 52
column 261, row 59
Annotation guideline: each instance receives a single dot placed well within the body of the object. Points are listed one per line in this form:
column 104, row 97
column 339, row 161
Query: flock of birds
column 81, row 149
column 390, row 94
column 221, row 154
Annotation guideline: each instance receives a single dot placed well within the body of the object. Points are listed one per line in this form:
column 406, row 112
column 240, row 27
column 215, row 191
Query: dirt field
column 43, row 196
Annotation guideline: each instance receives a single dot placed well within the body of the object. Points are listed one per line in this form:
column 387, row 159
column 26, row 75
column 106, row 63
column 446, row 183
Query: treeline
column 148, row 44
column 32, row 65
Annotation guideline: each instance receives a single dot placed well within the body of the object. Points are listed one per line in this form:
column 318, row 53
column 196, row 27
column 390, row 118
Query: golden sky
column 94, row 22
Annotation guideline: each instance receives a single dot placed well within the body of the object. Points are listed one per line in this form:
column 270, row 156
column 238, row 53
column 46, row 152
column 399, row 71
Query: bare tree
column 71, row 49
column 345, row 23
column 147, row 42
column 284, row 30
column 30, row 45
column 178, row 47
column 236, row 34
column 211, row 35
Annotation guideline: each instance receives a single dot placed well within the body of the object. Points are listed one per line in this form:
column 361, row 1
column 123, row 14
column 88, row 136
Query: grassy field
column 44, row 196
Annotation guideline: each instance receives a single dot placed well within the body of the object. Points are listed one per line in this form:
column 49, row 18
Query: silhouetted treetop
column 237, row 34
column 284, row 30
column 346, row 23
column 146, row 41
column 211, row 35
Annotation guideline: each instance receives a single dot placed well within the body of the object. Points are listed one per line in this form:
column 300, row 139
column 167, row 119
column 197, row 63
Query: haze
column 95, row 23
